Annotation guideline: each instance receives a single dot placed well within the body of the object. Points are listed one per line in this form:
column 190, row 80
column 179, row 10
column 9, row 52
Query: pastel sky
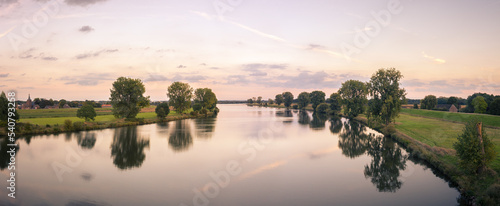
column 75, row 49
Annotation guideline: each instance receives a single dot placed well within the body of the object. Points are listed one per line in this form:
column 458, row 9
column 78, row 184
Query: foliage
column 180, row 95
column 415, row 106
column 469, row 151
column 322, row 108
column 479, row 105
column 303, row 100
column 335, row 103
column 4, row 109
column 62, row 102
column 197, row 106
column 279, row 99
column 387, row 95
column 295, row 106
column 127, row 97
column 250, row 101
column 429, row 102
column 495, row 106
column 287, row 99
column 162, row 110
column 487, row 97
column 204, row 111
column 259, row 100
column 68, row 125
column 86, row 111
column 270, row 101
column 317, row 97
column 353, row 94
column 205, row 97
column 453, row 100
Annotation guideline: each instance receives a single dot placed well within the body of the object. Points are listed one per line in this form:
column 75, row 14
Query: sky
column 76, row 49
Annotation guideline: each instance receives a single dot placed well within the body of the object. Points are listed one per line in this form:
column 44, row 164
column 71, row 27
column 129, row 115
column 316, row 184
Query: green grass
column 67, row 112
column 490, row 120
column 439, row 133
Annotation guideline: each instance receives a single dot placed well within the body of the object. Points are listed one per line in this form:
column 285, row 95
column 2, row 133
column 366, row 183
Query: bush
column 194, row 113
column 415, row 106
column 78, row 126
column 204, row 111
column 322, row 108
column 68, row 125
column 216, row 111
column 469, row 151
column 162, row 110
column 295, row 106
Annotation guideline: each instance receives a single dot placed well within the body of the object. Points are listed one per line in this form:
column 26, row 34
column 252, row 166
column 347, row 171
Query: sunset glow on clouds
column 75, row 49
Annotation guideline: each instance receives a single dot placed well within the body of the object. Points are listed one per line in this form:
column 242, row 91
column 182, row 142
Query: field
column 490, row 120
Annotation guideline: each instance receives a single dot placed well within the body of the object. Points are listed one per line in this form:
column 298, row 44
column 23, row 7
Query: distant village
column 54, row 104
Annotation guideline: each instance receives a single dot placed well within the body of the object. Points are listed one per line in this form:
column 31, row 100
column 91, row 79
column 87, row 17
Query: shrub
column 194, row 113
column 68, row 126
column 469, row 150
column 295, row 106
column 78, row 126
column 204, row 111
column 216, row 111
column 162, row 110
column 415, row 106
column 321, row 108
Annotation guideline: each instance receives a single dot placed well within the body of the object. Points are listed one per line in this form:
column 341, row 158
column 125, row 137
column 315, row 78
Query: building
column 447, row 107
column 29, row 104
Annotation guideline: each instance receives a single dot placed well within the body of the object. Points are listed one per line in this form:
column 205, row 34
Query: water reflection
column 4, row 155
column 205, row 127
column 318, row 121
column 127, row 150
column 180, row 138
column 353, row 141
column 86, row 140
column 387, row 161
column 335, row 125
column 304, row 118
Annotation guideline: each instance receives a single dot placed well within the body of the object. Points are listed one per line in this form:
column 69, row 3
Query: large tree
column 287, row 99
column 62, row 102
column 317, row 97
column 127, row 97
column 206, row 98
column 495, row 106
column 303, row 100
column 162, row 110
column 353, row 94
column 335, row 103
column 487, row 97
column 180, row 95
column 87, row 112
column 384, row 87
column 279, row 99
column 429, row 102
column 5, row 109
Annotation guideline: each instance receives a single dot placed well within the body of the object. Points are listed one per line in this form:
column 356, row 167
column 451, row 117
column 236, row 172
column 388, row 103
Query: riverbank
column 51, row 121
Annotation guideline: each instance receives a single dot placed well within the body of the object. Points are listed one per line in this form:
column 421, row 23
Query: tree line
column 476, row 103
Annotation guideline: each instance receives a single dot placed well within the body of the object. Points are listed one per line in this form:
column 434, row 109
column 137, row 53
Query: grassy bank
column 430, row 135
column 45, row 121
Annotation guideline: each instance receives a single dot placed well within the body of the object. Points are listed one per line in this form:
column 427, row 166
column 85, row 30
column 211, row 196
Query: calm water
column 245, row 156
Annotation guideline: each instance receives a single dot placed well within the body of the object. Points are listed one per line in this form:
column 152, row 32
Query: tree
column 453, row 100
column 62, row 102
column 495, row 106
column 180, row 95
column 250, row 101
column 206, row 98
column 287, row 99
column 259, row 100
column 303, row 100
column 429, row 102
column 5, row 109
column 335, row 103
column 86, row 111
column 353, row 94
column 162, row 110
column 474, row 156
column 322, row 108
column 487, row 97
column 317, row 97
column 384, row 87
column 270, row 101
column 479, row 104
column 197, row 107
column 279, row 99
column 415, row 106
column 127, row 97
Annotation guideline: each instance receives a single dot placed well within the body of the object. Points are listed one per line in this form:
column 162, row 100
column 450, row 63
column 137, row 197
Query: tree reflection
column 354, row 140
column 127, row 149
column 335, row 125
column 387, row 161
column 318, row 121
column 87, row 140
column 4, row 155
column 180, row 138
column 205, row 127
column 304, row 118
column 284, row 113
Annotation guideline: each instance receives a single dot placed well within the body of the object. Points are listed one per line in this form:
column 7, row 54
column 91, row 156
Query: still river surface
column 245, row 156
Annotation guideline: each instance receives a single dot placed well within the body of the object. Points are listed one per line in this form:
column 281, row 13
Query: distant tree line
column 476, row 103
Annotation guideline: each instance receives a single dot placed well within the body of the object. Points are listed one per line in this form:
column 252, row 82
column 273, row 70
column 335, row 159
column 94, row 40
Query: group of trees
column 127, row 98
column 475, row 103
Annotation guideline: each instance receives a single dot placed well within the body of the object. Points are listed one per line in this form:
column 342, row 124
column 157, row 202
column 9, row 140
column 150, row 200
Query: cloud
column 49, row 58
column 315, row 46
column 95, row 54
column 258, row 73
column 437, row 60
column 89, row 79
column 82, row 3
column 181, row 66
column 26, row 87
column 258, row 66
column 7, row 2
column 156, row 78
column 28, row 54
column 4, row 75
column 3, row 85
column 86, row 29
